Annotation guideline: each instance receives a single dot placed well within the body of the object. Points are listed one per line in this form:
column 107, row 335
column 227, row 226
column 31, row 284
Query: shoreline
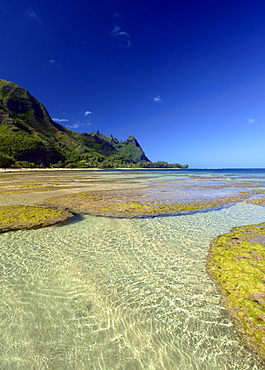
column 5, row 170
column 86, row 169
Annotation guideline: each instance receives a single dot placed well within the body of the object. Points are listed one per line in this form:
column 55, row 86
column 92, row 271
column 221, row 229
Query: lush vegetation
column 29, row 138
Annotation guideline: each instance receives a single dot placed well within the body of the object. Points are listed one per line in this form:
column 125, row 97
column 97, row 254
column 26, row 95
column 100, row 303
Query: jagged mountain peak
column 27, row 133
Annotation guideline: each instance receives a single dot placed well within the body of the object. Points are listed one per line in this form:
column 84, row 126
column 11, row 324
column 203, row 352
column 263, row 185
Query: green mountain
column 28, row 136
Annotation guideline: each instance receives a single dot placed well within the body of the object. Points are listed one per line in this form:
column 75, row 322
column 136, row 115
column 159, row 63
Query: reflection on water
column 108, row 293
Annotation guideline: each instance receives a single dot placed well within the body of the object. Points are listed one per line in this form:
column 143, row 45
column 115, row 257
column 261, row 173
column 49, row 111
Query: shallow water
column 118, row 294
column 106, row 293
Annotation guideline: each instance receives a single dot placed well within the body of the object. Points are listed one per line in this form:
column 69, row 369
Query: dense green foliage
column 30, row 138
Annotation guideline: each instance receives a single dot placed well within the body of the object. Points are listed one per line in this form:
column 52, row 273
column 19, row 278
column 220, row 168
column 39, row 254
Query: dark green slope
column 27, row 133
column 25, row 128
column 129, row 149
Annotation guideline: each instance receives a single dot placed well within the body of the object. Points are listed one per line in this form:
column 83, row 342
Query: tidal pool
column 106, row 293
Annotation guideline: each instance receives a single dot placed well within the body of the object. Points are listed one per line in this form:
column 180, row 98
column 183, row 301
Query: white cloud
column 251, row 120
column 75, row 125
column 87, row 112
column 126, row 45
column 53, row 63
column 116, row 30
column 33, row 16
column 157, row 99
column 60, row 119
column 118, row 15
column 122, row 36
column 123, row 33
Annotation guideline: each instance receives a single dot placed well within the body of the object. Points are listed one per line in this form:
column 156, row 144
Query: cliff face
column 27, row 133
column 132, row 149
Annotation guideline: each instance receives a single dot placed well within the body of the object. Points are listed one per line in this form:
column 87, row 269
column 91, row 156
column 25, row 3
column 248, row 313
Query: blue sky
column 187, row 79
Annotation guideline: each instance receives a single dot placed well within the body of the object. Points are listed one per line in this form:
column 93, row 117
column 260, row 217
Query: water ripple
column 118, row 294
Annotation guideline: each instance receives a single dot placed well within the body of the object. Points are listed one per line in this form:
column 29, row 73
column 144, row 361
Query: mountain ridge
column 28, row 134
column 30, row 138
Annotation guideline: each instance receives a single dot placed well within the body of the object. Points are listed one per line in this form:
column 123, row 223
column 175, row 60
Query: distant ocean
column 208, row 171
column 106, row 293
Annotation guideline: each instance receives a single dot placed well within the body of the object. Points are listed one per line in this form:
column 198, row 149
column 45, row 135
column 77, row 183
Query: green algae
column 128, row 204
column 32, row 189
column 236, row 262
column 161, row 208
column 259, row 201
column 16, row 187
column 30, row 217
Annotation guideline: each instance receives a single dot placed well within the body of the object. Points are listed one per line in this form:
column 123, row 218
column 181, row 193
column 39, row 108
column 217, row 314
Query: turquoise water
column 106, row 293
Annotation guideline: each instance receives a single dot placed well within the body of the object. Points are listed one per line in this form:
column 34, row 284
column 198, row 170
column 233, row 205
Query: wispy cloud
column 117, row 15
column 116, row 30
column 60, row 119
column 122, row 36
column 157, row 99
column 53, row 63
column 75, row 125
column 78, row 124
column 87, row 113
column 30, row 14
column 251, row 120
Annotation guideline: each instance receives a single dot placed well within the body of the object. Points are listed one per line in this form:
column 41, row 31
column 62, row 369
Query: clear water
column 106, row 293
